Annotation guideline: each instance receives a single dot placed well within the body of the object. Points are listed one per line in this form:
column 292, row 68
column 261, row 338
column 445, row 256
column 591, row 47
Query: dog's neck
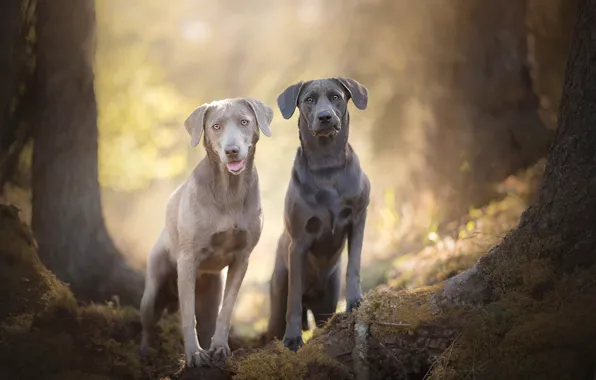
column 226, row 187
column 324, row 153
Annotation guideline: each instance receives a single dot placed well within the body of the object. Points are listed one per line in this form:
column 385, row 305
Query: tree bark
column 17, row 65
column 67, row 214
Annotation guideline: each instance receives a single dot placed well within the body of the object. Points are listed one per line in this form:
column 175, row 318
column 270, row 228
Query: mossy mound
column 521, row 336
column 469, row 238
column 26, row 285
column 277, row 362
column 45, row 334
column 388, row 310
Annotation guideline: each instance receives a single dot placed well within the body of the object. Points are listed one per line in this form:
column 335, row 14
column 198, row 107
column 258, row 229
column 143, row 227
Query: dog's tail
column 330, row 200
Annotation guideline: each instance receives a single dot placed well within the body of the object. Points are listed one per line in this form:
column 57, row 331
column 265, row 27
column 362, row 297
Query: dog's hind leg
column 278, row 297
column 154, row 296
column 324, row 307
column 208, row 295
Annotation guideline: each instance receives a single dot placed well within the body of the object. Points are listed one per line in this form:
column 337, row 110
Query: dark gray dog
column 325, row 205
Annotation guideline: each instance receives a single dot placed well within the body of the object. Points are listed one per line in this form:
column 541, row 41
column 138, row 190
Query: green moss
column 26, row 285
column 277, row 362
column 44, row 334
column 529, row 335
column 388, row 310
column 100, row 340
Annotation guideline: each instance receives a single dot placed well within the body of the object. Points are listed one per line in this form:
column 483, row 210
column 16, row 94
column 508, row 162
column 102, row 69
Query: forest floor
column 46, row 334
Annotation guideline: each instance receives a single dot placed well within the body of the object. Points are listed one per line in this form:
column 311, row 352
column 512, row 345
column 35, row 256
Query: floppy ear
column 288, row 100
column 358, row 92
column 194, row 124
column 263, row 113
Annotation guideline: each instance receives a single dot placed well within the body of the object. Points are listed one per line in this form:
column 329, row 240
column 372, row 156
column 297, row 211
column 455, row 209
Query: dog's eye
column 309, row 99
column 243, row 122
column 335, row 97
column 216, row 126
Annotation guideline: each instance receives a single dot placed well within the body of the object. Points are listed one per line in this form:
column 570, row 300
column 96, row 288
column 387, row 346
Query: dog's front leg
column 355, row 239
column 220, row 349
column 187, row 275
column 297, row 260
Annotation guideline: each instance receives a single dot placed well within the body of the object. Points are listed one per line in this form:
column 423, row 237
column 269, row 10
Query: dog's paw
column 293, row 343
column 353, row 305
column 199, row 358
column 219, row 353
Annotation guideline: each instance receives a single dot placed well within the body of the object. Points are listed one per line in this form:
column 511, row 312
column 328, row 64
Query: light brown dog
column 213, row 221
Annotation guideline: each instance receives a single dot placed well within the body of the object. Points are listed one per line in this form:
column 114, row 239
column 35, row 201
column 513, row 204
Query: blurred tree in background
column 460, row 105
column 17, row 65
column 67, row 214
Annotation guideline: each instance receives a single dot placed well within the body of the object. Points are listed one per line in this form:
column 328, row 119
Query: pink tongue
column 235, row 165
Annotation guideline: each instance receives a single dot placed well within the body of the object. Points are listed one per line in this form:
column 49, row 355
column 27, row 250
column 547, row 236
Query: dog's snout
column 324, row 116
column 232, row 151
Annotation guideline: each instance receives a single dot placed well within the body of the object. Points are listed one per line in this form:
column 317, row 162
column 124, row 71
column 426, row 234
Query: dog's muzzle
column 325, row 124
column 325, row 130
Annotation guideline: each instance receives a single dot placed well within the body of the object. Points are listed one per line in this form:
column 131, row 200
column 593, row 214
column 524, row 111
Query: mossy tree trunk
column 67, row 214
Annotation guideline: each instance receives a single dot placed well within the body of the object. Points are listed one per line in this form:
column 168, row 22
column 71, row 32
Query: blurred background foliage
column 139, row 109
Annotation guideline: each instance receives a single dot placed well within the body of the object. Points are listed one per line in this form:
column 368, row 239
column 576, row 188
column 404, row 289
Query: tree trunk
column 550, row 28
column 487, row 107
column 17, row 65
column 466, row 62
column 67, row 214
column 526, row 309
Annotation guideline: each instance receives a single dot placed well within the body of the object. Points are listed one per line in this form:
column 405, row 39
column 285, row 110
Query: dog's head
column 231, row 128
column 322, row 103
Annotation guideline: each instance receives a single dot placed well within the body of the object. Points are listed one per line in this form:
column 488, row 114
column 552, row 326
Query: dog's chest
column 229, row 237
column 222, row 248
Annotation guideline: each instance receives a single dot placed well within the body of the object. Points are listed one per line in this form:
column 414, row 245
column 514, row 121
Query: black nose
column 232, row 151
column 324, row 117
